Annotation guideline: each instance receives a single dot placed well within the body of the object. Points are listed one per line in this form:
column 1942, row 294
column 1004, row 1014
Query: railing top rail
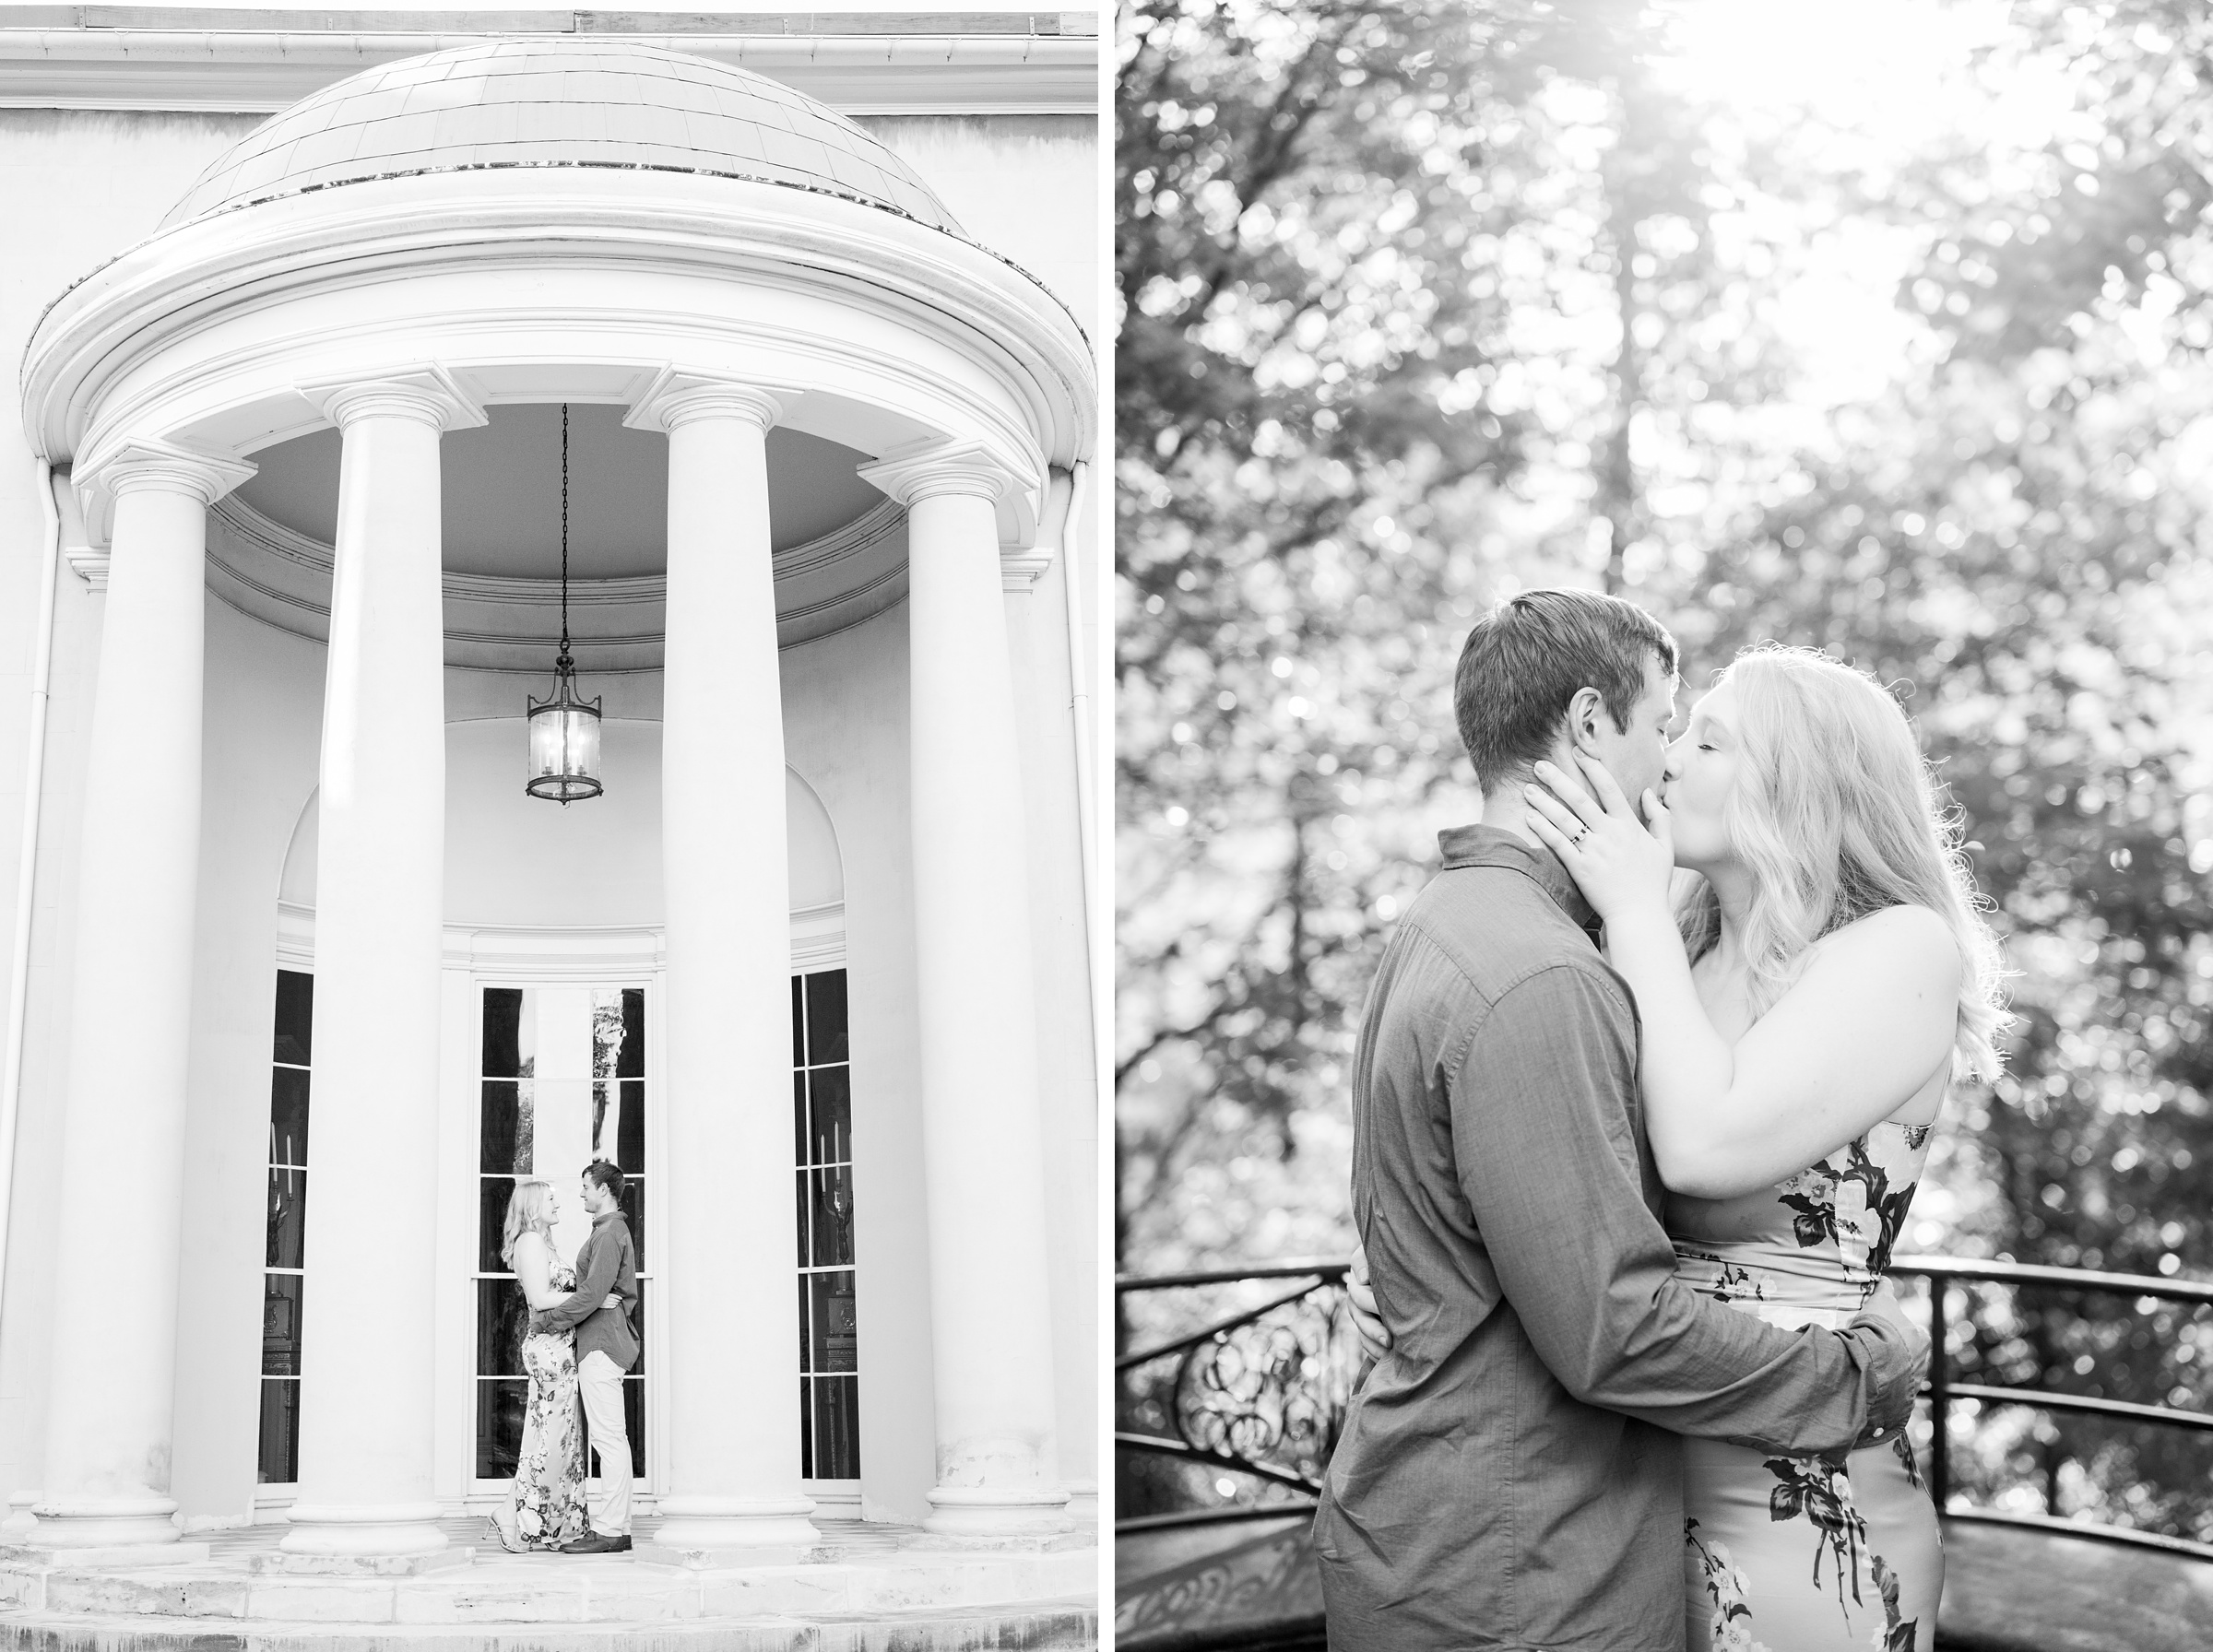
column 1324, row 1266
column 2075, row 1279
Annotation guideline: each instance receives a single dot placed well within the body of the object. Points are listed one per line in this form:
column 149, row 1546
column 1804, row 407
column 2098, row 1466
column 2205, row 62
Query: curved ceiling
column 502, row 493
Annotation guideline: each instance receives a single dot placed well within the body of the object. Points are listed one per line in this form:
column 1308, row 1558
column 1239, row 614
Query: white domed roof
column 560, row 102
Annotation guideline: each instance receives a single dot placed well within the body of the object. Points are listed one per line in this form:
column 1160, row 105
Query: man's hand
column 1375, row 1337
column 1902, row 1362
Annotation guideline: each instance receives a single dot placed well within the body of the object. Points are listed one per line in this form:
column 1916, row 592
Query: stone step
column 1065, row 1626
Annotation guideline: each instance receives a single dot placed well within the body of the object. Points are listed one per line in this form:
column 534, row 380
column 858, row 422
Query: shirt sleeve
column 1545, row 1144
column 599, row 1260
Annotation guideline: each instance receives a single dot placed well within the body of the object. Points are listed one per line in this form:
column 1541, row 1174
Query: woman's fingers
column 1603, row 786
column 1565, row 786
column 1544, row 804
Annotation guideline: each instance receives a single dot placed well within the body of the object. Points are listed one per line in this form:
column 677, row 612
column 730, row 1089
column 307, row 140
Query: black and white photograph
column 551, row 751
column 1664, row 836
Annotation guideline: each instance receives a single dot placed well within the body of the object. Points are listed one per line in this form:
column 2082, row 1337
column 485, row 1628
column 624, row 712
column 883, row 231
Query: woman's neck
column 1733, row 893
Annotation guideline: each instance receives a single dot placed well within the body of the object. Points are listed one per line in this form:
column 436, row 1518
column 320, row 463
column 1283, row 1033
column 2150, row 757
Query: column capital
column 926, row 470
column 676, row 395
column 427, row 394
column 142, row 464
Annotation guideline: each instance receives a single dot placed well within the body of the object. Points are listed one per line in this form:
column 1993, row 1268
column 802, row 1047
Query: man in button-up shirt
column 1508, row 1475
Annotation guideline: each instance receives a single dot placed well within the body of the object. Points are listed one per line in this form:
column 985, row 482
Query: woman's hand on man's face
column 1620, row 862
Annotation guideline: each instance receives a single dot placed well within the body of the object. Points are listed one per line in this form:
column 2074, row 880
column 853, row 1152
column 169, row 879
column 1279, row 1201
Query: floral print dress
column 1814, row 1553
column 548, row 1497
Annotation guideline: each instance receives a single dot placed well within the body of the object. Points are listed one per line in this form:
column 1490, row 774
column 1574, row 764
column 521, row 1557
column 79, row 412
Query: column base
column 109, row 1525
column 734, row 1531
column 998, row 1516
column 363, row 1532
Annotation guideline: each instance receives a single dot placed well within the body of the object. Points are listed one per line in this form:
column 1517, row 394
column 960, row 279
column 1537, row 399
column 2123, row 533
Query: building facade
column 337, row 345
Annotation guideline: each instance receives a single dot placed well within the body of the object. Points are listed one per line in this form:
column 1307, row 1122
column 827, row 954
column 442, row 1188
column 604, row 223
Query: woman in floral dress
column 545, row 1507
column 1805, row 1003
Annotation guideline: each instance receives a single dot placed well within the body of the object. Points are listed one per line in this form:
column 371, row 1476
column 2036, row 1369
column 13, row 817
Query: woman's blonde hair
column 1836, row 816
column 526, row 1208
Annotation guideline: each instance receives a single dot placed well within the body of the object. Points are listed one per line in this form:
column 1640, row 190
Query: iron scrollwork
column 1264, row 1392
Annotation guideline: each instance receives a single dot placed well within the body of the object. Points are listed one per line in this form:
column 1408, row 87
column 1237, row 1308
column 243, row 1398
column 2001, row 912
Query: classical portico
column 402, row 298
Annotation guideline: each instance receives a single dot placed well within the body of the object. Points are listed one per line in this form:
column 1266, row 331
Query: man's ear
column 1584, row 714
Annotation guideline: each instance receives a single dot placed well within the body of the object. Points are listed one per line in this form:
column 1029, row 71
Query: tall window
column 562, row 1083
column 284, row 1261
column 829, row 1337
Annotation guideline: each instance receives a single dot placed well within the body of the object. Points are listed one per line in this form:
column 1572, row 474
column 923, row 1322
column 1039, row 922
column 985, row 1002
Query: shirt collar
column 1492, row 846
column 607, row 1216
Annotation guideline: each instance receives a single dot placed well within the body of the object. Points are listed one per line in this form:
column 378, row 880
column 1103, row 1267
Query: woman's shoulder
column 530, row 1240
column 1913, row 938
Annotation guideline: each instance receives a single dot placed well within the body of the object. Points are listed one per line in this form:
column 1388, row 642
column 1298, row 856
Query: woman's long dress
column 1807, row 1554
column 547, row 1497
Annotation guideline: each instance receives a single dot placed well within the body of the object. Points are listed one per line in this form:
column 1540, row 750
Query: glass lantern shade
column 564, row 741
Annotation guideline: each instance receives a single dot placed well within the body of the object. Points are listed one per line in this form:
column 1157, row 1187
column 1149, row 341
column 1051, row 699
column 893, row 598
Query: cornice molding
column 376, row 234
column 958, row 71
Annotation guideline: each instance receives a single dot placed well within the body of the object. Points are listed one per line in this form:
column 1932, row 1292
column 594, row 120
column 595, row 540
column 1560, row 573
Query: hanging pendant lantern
column 565, row 730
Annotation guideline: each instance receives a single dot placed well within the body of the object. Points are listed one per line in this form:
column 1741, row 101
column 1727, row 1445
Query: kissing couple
column 578, row 1345
column 1643, row 1088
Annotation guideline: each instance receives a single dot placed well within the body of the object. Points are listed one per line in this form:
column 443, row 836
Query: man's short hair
column 1525, row 659
column 606, row 1174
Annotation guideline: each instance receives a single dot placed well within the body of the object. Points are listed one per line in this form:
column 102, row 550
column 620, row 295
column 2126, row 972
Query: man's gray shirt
column 606, row 1283
column 1509, row 1475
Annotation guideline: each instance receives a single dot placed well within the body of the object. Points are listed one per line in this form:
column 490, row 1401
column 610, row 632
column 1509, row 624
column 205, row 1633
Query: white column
column 728, row 1300
column 367, row 1388
column 113, row 1392
column 983, row 1155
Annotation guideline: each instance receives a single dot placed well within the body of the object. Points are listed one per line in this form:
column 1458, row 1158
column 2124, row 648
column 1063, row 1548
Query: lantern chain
column 564, row 532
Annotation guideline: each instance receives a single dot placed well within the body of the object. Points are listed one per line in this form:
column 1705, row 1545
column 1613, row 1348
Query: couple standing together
column 579, row 1343
column 1642, row 1093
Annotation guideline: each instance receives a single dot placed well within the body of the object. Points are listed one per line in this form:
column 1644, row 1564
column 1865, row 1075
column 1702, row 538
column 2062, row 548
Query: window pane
column 799, row 1117
column 288, row 1218
column 806, row 1342
column 832, row 1217
column 279, row 1453
column 837, row 1427
column 830, row 1091
column 637, row 1324
column 493, row 1194
column 499, row 1410
column 295, row 1015
column 288, row 1116
column 280, row 1325
column 829, row 1316
column 502, row 1318
column 806, row 1426
column 634, row 1207
column 607, row 1033
column 799, row 1204
column 501, row 1125
column 502, row 1031
column 632, row 1063
column 799, row 1027
column 826, row 1017
column 629, row 1129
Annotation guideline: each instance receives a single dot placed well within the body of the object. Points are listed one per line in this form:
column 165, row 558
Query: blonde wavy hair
column 527, row 1209
column 1836, row 815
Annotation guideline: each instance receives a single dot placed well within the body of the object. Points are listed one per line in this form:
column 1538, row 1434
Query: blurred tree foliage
column 1426, row 303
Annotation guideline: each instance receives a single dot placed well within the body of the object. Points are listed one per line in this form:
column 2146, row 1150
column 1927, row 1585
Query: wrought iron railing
column 1262, row 1390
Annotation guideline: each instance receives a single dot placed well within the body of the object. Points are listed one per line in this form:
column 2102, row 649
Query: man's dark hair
column 606, row 1174
column 1524, row 661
